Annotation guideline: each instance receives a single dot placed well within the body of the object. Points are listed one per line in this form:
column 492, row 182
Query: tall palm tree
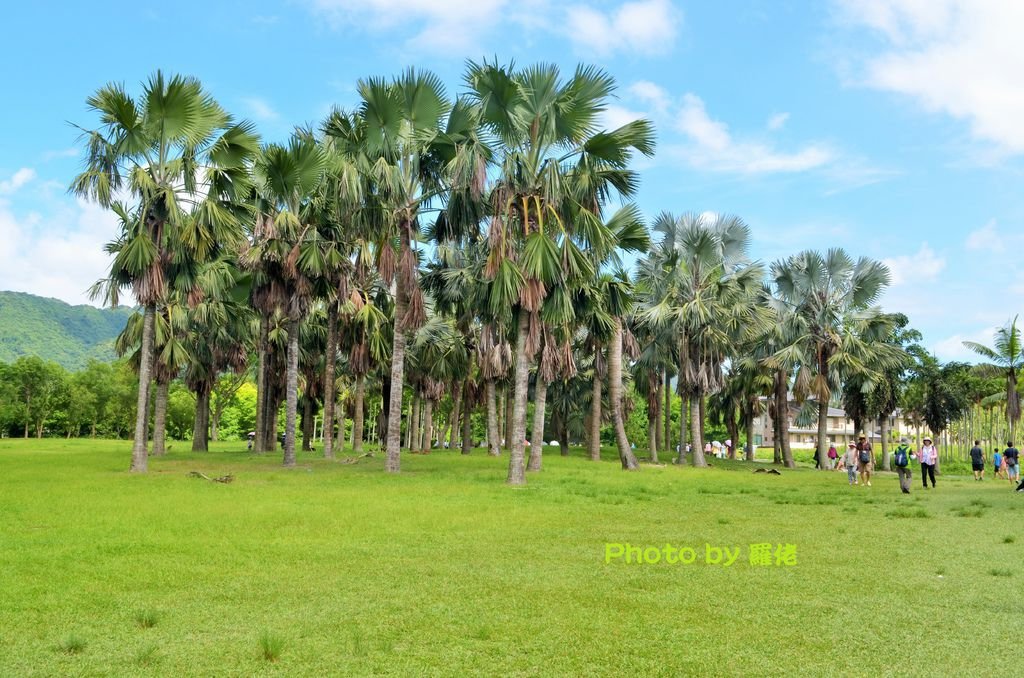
column 285, row 247
column 546, row 128
column 699, row 283
column 183, row 163
column 833, row 327
column 1006, row 353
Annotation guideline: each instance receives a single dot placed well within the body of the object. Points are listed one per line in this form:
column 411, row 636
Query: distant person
column 849, row 460
column 833, row 455
column 251, row 436
column 929, row 457
column 978, row 461
column 1011, row 455
column 997, row 464
column 865, row 459
column 901, row 459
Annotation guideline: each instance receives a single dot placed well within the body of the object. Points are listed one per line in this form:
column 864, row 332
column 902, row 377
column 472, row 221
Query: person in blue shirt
column 997, row 464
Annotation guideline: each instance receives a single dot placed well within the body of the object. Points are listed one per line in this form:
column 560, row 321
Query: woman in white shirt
column 929, row 456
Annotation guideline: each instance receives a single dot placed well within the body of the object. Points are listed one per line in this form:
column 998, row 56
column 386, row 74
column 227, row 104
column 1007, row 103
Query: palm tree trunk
column 414, row 422
column 540, row 396
column 428, row 425
column 750, row 437
column 140, row 455
column 493, row 444
column 357, row 416
column 594, row 441
column 452, row 433
column 667, row 443
column 823, row 435
column 510, row 401
column 782, row 416
column 307, row 424
column 696, row 433
column 329, row 378
column 261, row 387
column 734, row 434
column 659, row 431
column 160, row 416
column 883, row 428
column 684, row 423
column 201, row 425
column 653, row 429
column 291, row 394
column 563, row 438
column 339, row 421
column 520, row 385
column 393, row 459
column 626, row 456
column 702, row 404
column 467, row 420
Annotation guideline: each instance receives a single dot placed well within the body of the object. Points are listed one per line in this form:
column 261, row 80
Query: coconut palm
column 1006, row 353
column 833, row 329
column 182, row 164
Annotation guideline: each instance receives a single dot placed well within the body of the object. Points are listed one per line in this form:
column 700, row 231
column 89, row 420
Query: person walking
column 901, row 459
column 929, row 457
column 1011, row 455
column 865, row 459
column 849, row 460
column 997, row 464
column 833, row 455
column 978, row 461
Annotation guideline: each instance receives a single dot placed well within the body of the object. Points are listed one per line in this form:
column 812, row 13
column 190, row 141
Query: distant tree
column 1007, row 353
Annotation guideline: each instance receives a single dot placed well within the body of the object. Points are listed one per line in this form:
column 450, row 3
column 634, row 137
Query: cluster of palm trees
column 429, row 253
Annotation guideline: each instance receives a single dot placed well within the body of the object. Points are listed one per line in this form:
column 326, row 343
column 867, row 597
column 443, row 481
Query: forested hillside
column 53, row 330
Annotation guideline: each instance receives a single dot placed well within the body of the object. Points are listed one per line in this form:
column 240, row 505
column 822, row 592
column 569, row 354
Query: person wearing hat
column 901, row 460
column 978, row 461
column 865, row 459
column 849, row 460
column 929, row 458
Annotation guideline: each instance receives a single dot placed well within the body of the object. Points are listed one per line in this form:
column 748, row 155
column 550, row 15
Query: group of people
column 859, row 462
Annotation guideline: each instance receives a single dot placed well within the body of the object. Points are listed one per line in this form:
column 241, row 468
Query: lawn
column 334, row 569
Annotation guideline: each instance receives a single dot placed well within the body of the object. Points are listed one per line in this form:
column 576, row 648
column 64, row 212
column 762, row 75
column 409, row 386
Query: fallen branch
column 355, row 460
column 221, row 479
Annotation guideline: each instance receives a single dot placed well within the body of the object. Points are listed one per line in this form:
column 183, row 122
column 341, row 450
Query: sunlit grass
column 340, row 569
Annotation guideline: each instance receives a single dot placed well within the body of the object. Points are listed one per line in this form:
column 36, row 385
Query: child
column 997, row 464
column 850, row 462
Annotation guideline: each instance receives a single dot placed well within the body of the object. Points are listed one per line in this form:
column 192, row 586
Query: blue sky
column 893, row 128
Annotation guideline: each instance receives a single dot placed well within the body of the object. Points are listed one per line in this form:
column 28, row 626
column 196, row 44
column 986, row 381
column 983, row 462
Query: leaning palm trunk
column 626, row 456
column 517, row 429
column 329, row 378
column 695, row 425
column 540, row 396
column 140, row 455
column 822, row 433
column 160, row 416
column 357, row 416
column 595, row 420
column 291, row 394
column 493, row 445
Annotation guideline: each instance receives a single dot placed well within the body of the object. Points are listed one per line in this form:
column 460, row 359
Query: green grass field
column 333, row 569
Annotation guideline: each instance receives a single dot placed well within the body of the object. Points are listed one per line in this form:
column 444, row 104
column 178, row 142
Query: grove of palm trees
column 421, row 389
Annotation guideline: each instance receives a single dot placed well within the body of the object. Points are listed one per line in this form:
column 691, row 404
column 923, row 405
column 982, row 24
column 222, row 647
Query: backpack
column 865, row 457
column 902, row 457
column 831, row 453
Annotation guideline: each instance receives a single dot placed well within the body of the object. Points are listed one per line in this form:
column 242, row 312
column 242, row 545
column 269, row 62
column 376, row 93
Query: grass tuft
column 148, row 656
column 908, row 513
column 72, row 644
column 271, row 646
column 999, row 572
column 146, row 618
column 1009, row 539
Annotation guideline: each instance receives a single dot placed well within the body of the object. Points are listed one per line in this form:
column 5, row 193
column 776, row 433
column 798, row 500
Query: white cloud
column 652, row 94
column 986, row 238
column 963, row 58
column 260, row 109
column 64, row 153
column 924, row 266
column 17, row 180
column 777, row 121
column 615, row 117
column 642, row 26
column 712, row 147
column 952, row 347
column 58, row 255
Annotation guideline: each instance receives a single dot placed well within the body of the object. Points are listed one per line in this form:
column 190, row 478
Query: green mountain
column 54, row 330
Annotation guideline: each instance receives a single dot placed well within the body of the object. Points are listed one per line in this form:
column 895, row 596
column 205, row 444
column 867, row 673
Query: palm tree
column 699, row 284
column 1007, row 353
column 545, row 129
column 618, row 293
column 184, row 164
column 833, row 327
column 284, row 254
